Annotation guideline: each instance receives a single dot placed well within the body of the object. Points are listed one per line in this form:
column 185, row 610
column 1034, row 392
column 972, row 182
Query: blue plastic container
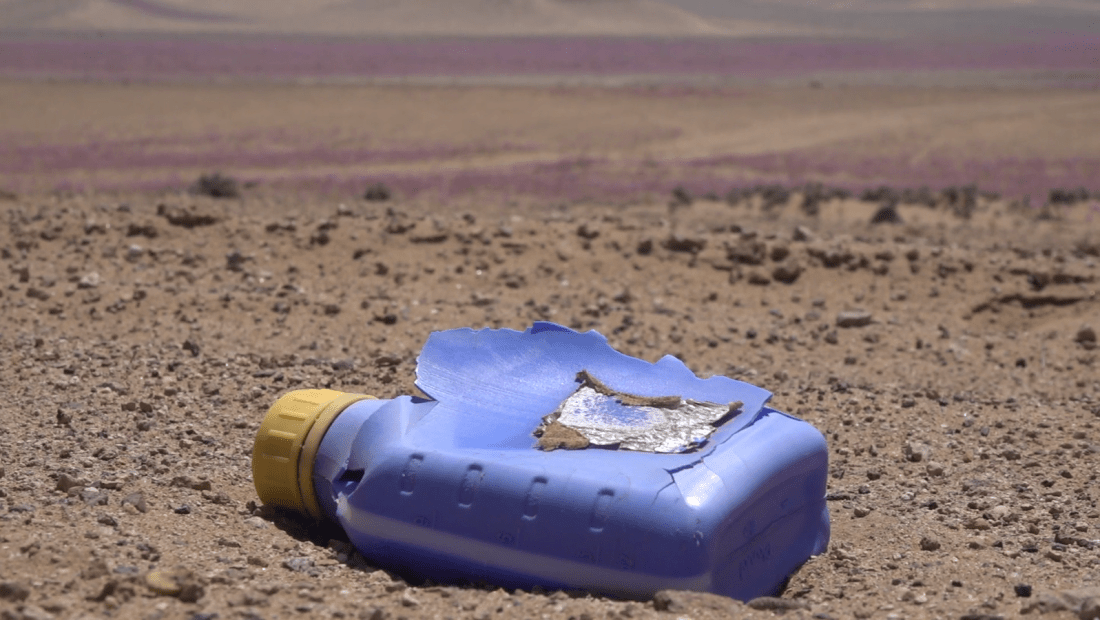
column 457, row 488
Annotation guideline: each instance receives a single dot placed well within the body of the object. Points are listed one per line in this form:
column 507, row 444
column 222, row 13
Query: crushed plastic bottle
column 546, row 458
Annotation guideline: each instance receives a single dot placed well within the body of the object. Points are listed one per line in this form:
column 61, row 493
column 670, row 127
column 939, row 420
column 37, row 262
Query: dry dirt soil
column 949, row 360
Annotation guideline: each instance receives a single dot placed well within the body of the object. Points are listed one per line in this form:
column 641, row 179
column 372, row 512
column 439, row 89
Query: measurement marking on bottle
column 754, row 561
column 601, row 509
column 471, row 482
column 750, row 529
column 408, row 474
column 534, row 498
column 626, row 561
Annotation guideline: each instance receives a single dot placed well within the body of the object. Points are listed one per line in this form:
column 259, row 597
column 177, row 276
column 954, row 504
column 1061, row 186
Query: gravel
column 962, row 426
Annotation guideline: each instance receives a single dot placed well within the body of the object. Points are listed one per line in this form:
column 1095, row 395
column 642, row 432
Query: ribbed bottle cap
column 287, row 442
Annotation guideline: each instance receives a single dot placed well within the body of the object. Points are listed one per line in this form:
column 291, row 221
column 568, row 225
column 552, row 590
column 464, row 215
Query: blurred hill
column 375, row 17
column 966, row 19
column 667, row 18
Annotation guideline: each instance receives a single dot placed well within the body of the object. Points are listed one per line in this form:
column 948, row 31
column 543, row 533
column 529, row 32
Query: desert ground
column 905, row 255
column 146, row 335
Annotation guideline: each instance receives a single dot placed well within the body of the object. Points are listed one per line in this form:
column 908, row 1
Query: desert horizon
column 708, row 114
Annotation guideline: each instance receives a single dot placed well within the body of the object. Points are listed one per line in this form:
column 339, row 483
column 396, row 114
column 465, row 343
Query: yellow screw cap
column 287, row 442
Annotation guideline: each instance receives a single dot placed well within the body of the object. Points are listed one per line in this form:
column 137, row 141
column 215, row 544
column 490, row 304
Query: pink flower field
column 1073, row 59
column 684, row 69
column 167, row 164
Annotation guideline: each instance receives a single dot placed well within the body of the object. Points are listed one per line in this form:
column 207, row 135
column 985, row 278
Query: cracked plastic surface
column 455, row 488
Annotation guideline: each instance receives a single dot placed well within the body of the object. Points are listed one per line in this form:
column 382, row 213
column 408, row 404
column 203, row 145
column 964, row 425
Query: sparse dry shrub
column 882, row 193
column 773, row 195
column 216, row 185
column 681, row 197
column 377, row 192
column 736, row 195
column 816, row 194
column 887, row 214
column 961, row 200
column 918, row 196
column 1067, row 196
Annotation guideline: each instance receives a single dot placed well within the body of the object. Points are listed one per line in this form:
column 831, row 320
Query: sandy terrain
column 145, row 336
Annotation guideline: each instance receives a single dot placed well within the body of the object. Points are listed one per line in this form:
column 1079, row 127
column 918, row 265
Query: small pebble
column 1086, row 337
column 91, row 280
column 775, row 603
column 928, row 543
column 408, row 600
column 977, row 523
column 137, row 500
column 34, row 612
column 66, row 482
column 179, row 582
column 298, row 565
column 14, row 591
column 853, row 318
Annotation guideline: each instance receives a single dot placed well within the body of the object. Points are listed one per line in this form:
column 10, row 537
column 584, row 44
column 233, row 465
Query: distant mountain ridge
column 481, row 18
column 921, row 19
column 371, row 17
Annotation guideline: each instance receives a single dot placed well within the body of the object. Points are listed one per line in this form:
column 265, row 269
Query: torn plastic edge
column 503, row 372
